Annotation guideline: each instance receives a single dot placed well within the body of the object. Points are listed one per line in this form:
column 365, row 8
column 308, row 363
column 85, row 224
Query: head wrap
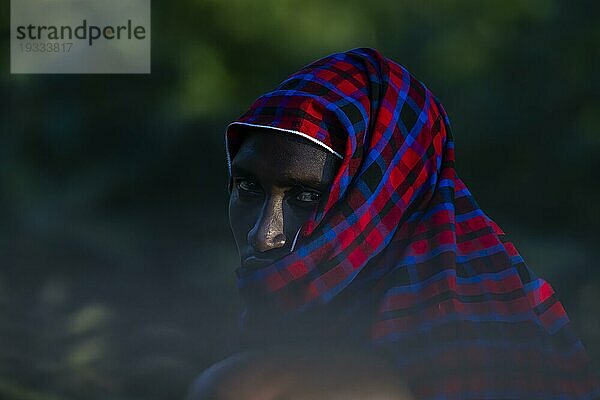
column 456, row 304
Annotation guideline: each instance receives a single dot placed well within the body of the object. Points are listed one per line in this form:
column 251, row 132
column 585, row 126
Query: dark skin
column 278, row 179
column 299, row 374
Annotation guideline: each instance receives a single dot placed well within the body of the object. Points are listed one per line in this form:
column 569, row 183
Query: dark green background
column 116, row 261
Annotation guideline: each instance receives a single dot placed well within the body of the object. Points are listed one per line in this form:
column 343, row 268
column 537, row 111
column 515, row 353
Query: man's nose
column 268, row 231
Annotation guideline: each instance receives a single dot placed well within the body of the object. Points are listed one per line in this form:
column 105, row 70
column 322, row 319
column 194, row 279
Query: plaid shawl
column 457, row 305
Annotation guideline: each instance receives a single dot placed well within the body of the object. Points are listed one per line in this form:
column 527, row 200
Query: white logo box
column 80, row 36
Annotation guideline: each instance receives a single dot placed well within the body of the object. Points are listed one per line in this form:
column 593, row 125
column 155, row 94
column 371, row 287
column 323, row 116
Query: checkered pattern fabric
column 456, row 304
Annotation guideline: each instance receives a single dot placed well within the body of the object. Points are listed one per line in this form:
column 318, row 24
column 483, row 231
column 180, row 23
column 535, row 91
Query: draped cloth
column 454, row 302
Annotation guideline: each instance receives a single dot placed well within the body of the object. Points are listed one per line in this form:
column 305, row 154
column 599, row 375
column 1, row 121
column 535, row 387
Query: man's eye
column 247, row 185
column 308, row 197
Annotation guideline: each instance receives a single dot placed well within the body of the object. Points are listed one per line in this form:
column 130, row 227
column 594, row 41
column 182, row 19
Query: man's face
column 278, row 179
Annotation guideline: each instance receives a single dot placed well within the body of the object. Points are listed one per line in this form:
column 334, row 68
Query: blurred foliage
column 116, row 278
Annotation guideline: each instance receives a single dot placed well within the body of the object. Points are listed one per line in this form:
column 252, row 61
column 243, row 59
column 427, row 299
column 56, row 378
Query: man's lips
column 254, row 262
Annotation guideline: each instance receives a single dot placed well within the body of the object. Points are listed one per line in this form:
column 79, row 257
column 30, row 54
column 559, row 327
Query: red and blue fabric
column 457, row 305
